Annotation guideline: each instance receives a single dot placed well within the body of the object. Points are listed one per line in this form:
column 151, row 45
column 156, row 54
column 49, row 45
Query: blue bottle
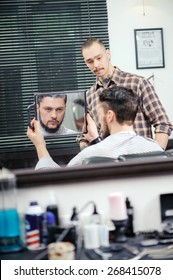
column 51, row 227
column 10, row 240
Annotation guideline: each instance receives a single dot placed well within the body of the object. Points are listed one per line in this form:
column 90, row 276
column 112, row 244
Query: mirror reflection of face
column 102, row 120
column 51, row 113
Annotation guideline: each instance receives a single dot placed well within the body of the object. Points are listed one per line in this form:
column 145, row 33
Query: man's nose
column 53, row 114
column 96, row 63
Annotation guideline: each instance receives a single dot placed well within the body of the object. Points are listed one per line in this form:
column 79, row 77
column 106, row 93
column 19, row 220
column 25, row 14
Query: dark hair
column 53, row 95
column 122, row 101
column 88, row 43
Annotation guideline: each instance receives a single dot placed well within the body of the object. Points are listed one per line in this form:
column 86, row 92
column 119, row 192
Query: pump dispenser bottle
column 52, row 207
column 129, row 228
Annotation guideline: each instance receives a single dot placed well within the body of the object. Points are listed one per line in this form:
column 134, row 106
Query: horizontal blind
column 40, row 50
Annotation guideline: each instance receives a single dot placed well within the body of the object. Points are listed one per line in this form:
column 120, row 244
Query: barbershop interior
column 106, row 207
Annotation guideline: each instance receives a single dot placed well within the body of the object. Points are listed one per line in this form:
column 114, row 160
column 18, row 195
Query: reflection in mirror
column 60, row 113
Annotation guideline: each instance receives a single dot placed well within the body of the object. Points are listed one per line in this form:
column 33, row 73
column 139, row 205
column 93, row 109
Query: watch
column 95, row 141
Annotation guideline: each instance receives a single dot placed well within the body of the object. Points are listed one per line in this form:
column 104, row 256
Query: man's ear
column 110, row 116
column 108, row 53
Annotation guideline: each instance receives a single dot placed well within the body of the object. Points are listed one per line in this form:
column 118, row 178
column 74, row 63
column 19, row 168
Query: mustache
column 97, row 70
column 54, row 121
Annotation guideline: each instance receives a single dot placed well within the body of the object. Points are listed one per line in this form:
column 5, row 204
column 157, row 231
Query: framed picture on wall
column 149, row 48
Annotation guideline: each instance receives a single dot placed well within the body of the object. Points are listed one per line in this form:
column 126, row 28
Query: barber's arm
column 162, row 139
column 155, row 113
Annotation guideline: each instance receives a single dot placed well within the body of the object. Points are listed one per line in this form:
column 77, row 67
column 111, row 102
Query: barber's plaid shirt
column 150, row 112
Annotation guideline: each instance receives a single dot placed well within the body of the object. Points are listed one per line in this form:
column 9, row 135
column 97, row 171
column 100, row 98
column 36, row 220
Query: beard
column 105, row 132
column 48, row 129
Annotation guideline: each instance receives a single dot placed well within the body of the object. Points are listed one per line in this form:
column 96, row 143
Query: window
column 40, row 50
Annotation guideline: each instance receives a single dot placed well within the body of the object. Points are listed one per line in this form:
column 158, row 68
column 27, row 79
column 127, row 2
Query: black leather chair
column 155, row 154
column 99, row 159
column 169, row 152
column 127, row 157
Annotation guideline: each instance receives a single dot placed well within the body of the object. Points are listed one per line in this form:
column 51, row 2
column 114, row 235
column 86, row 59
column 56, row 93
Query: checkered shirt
column 150, row 111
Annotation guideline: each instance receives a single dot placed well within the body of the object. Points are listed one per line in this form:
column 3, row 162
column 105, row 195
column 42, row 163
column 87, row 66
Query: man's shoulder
column 66, row 130
column 94, row 148
column 124, row 74
column 150, row 141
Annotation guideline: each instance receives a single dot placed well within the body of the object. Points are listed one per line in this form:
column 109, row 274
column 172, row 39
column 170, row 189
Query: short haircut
column 41, row 96
column 122, row 101
column 90, row 41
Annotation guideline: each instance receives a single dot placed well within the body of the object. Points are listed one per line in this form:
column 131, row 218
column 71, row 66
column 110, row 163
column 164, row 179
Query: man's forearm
column 162, row 139
column 41, row 151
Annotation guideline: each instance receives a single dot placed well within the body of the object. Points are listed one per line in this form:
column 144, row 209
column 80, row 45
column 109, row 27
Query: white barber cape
column 124, row 142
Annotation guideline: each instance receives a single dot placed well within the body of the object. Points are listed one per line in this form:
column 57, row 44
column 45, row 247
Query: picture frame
column 149, row 48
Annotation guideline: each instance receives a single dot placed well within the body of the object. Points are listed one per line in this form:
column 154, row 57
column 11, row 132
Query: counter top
column 117, row 251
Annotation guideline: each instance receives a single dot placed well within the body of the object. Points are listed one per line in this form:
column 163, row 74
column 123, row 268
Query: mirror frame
column 119, row 170
column 32, row 110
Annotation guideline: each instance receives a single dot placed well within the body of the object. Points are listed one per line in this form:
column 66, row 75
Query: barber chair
column 129, row 157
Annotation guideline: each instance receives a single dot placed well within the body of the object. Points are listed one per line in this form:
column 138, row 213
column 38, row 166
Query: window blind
column 40, row 50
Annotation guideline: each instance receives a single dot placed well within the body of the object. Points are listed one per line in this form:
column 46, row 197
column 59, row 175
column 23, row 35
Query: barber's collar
column 109, row 80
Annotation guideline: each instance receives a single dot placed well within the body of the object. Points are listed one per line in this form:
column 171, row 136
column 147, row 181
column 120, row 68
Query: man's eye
column 59, row 110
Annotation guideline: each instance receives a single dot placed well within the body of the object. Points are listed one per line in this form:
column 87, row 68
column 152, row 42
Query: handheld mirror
column 60, row 113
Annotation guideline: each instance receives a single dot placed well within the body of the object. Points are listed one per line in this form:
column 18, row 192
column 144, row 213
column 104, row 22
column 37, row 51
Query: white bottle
column 34, row 226
column 95, row 217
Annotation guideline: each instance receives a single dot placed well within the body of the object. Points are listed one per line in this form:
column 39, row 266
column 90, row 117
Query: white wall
column 143, row 192
column 126, row 15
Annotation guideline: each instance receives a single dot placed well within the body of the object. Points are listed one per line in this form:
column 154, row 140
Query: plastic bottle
column 129, row 228
column 34, row 226
column 10, row 240
column 95, row 216
column 74, row 216
column 52, row 207
column 51, row 227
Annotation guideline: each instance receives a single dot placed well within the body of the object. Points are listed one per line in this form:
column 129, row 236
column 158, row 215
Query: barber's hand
column 92, row 133
column 34, row 134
